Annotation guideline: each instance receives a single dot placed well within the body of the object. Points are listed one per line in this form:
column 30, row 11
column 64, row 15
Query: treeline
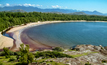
column 8, row 19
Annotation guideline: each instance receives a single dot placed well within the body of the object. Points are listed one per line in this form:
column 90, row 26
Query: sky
column 82, row 5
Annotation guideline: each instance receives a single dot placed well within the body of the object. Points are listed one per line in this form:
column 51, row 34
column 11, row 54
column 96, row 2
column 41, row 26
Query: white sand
column 5, row 42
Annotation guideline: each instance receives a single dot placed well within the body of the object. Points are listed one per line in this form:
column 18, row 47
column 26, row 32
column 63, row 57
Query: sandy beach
column 15, row 33
column 5, row 41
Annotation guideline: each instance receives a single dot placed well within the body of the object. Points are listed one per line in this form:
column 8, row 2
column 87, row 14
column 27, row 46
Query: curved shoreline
column 16, row 32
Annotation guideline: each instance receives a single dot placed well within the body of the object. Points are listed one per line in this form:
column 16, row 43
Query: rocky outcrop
column 95, row 55
column 84, row 47
column 89, row 47
column 95, row 58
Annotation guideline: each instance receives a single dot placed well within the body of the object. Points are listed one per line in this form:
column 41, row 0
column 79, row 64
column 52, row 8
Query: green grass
column 50, row 62
column 71, row 50
column 41, row 60
column 5, row 61
column 79, row 55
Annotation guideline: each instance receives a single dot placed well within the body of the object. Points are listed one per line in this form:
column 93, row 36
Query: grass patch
column 79, row 55
column 87, row 63
column 5, row 61
column 49, row 62
column 40, row 61
column 71, row 50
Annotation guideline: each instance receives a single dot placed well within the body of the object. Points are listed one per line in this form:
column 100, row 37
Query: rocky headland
column 82, row 55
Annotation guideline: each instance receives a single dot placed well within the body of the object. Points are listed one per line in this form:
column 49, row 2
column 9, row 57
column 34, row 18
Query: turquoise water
column 70, row 34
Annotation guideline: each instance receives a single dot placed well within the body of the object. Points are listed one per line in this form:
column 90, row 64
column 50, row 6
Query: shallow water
column 69, row 34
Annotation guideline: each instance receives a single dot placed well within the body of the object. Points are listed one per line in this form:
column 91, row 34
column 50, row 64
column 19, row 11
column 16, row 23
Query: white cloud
column 39, row 5
column 19, row 4
column 31, row 5
column 56, row 6
column 7, row 4
column 28, row 4
column 66, row 7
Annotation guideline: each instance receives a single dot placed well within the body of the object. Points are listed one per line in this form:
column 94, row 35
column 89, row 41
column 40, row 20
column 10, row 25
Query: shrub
column 49, row 54
column 2, row 53
column 1, row 63
column 16, row 53
column 11, row 52
column 6, row 52
column 57, row 49
column 104, row 61
column 12, row 59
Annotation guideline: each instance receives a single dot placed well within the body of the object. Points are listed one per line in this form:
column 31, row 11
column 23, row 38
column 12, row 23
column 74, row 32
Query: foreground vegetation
column 24, row 57
column 8, row 19
column 56, row 56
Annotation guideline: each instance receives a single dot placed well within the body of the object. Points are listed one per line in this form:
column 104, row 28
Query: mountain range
column 54, row 10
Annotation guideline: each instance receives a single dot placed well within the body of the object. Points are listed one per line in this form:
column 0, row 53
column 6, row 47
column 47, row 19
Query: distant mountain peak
column 18, row 10
column 31, row 9
column 95, row 11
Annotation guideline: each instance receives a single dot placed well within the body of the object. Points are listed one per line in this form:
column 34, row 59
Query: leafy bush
column 11, row 52
column 57, row 49
column 16, row 53
column 52, row 54
column 1, row 63
column 12, row 59
column 6, row 52
column 2, row 53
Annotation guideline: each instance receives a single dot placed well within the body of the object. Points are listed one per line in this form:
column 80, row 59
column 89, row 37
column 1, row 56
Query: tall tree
column 25, row 56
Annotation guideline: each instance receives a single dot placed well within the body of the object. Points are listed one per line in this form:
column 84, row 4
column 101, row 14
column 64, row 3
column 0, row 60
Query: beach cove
column 15, row 33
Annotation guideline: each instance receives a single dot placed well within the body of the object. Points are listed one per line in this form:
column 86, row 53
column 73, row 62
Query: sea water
column 70, row 33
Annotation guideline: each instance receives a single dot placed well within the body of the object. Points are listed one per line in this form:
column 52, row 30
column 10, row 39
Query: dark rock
column 105, row 47
column 97, row 47
column 102, row 48
column 103, row 52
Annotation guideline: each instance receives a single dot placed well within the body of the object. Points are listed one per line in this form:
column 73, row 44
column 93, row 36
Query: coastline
column 15, row 33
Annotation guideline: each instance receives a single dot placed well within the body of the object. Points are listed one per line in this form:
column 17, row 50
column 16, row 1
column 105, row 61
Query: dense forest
column 8, row 19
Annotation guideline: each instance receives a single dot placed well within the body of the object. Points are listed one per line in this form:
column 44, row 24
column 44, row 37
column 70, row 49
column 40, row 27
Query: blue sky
column 82, row 5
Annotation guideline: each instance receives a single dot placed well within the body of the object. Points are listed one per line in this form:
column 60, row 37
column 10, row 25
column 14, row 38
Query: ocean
column 68, row 34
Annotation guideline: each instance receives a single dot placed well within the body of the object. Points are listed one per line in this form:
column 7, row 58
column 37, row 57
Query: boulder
column 105, row 47
column 97, row 48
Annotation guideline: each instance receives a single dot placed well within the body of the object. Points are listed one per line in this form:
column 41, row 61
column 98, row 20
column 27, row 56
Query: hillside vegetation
column 8, row 19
